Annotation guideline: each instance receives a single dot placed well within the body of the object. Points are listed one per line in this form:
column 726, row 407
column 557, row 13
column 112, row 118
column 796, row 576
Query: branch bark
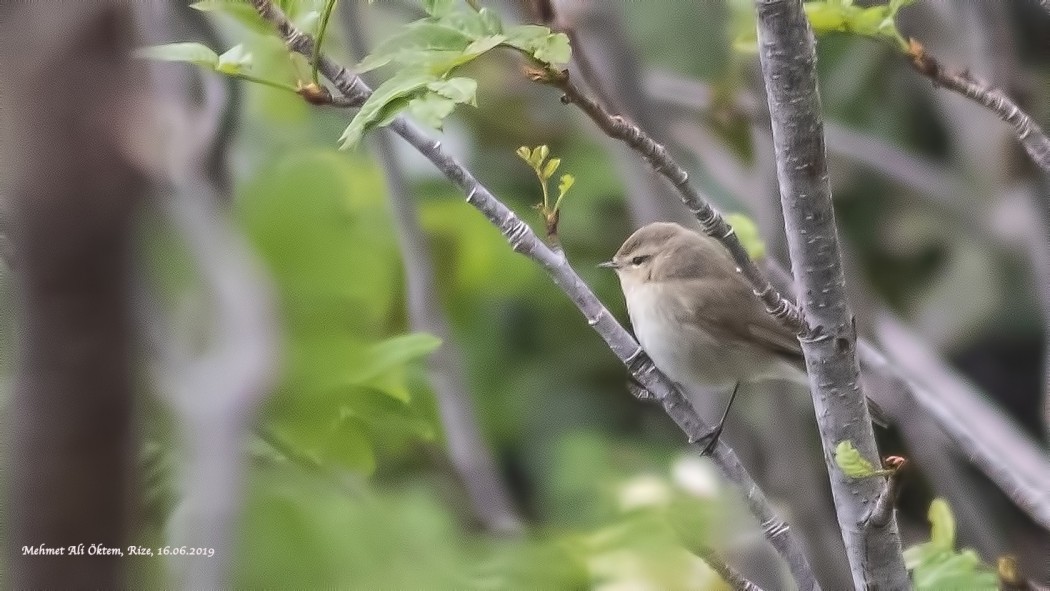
column 735, row 580
column 523, row 240
column 1031, row 136
column 468, row 451
column 75, row 187
column 787, row 55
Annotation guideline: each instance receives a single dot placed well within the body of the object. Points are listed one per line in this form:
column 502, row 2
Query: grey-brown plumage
column 695, row 314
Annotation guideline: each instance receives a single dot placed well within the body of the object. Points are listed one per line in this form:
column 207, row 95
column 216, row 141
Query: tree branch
column 468, row 451
column 1031, row 136
column 710, row 220
column 523, row 240
column 735, row 580
column 787, row 54
column 998, row 448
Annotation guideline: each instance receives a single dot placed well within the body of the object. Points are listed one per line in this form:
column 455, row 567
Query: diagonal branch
column 735, row 580
column 523, row 240
column 788, row 57
column 710, row 220
column 1031, row 136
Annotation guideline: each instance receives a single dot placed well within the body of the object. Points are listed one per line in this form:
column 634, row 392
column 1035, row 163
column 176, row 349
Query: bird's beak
column 609, row 265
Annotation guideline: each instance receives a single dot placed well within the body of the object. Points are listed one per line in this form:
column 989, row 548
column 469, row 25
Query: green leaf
column 524, row 153
column 234, row 61
column 469, row 22
column 394, row 352
column 416, row 44
column 540, row 43
column 193, row 53
column 551, row 167
column 373, row 113
column 438, row 8
column 491, row 20
column 747, row 231
column 459, row 90
column 304, row 14
column 387, row 414
column 240, row 11
column 566, row 183
column 851, row 462
column 942, row 524
column 555, row 50
column 431, row 109
column 825, row 17
column 936, row 565
column 349, row 448
column 539, row 155
column 526, row 37
column 480, row 46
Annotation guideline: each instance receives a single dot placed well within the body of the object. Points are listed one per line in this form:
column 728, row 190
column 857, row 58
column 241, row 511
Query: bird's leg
column 717, row 431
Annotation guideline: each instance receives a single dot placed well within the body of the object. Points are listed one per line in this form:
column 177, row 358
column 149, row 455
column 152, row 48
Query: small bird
column 696, row 316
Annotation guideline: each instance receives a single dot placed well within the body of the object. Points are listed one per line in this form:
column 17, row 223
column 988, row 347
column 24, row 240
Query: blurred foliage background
column 350, row 485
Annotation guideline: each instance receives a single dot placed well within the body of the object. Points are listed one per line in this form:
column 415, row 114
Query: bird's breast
column 680, row 348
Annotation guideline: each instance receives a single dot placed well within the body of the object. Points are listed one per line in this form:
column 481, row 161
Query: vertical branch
column 787, row 55
column 468, row 451
column 1041, row 245
column 75, row 189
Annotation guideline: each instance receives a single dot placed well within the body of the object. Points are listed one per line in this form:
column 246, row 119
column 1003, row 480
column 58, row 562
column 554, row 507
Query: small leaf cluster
column 536, row 158
column 938, row 565
column 833, row 16
column 853, row 464
column 307, row 15
column 235, row 62
column 429, row 51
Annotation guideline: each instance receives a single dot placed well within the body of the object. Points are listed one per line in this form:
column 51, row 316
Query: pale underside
column 702, row 341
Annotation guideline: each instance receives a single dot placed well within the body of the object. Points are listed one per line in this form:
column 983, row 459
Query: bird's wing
column 728, row 301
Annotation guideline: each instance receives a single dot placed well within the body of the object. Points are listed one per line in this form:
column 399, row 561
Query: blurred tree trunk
column 70, row 84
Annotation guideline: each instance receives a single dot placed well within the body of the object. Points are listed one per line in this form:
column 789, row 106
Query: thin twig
column 1031, row 136
column 787, row 54
column 882, row 513
column 729, row 574
column 523, row 240
column 710, row 220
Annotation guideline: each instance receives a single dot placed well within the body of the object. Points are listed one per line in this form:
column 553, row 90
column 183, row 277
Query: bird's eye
column 640, row 259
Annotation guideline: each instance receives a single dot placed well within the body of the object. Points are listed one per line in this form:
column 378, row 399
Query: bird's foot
column 711, row 437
